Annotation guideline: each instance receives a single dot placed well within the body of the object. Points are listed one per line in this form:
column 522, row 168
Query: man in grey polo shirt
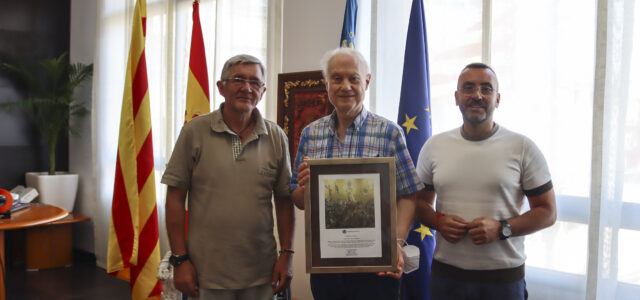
column 231, row 162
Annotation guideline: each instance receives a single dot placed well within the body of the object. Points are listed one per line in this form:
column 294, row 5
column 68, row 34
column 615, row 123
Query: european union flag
column 414, row 116
column 348, row 37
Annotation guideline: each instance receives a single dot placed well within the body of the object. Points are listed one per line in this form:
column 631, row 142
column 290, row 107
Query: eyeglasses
column 254, row 84
column 468, row 90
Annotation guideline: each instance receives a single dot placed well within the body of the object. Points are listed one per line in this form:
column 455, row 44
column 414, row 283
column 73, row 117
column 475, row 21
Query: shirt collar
column 218, row 124
column 358, row 122
column 481, row 138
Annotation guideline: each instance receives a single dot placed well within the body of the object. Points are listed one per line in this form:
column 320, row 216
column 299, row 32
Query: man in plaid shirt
column 350, row 132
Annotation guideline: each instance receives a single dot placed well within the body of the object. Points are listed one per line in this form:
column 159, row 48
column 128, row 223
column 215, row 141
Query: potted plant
column 49, row 87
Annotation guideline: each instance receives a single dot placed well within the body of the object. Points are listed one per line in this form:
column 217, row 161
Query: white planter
column 58, row 190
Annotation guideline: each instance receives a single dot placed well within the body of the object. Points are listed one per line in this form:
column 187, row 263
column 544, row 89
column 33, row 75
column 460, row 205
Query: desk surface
column 33, row 215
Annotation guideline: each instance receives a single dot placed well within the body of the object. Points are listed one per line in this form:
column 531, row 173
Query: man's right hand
column 185, row 279
column 297, row 195
column 303, row 173
column 452, row 228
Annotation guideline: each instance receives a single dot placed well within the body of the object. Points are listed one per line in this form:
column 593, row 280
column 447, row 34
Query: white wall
column 83, row 16
column 310, row 28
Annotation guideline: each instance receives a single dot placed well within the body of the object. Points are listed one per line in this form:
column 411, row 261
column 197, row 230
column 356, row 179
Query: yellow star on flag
column 409, row 123
column 424, row 231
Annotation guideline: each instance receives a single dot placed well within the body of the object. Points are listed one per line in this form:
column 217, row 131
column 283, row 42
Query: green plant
column 49, row 86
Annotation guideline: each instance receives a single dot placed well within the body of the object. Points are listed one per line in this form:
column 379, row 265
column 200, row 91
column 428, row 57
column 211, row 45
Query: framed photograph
column 350, row 215
column 302, row 99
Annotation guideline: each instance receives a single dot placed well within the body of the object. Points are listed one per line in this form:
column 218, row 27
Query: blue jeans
column 353, row 286
column 445, row 288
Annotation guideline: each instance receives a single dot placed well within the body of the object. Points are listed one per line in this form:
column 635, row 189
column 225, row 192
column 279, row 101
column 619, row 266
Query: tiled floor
column 82, row 280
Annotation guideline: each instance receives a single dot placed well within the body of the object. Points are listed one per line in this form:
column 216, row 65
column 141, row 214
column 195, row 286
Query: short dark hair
column 479, row 65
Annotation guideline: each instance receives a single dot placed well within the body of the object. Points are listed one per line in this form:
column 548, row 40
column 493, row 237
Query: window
column 547, row 94
column 546, row 56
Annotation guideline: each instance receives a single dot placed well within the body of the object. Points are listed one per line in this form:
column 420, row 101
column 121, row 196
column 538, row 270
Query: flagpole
column 486, row 31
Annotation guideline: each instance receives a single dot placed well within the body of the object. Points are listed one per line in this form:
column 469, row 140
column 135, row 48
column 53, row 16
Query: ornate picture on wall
column 302, row 99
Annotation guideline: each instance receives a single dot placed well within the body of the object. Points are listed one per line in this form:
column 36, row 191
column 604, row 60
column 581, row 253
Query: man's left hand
column 398, row 273
column 484, row 230
column 282, row 272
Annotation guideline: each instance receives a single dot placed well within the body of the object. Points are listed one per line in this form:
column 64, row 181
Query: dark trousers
column 445, row 288
column 354, row 286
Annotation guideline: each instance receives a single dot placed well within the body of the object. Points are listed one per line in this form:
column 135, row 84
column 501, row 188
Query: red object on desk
column 7, row 204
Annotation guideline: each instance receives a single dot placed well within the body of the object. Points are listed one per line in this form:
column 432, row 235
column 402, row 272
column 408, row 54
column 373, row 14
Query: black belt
column 498, row 275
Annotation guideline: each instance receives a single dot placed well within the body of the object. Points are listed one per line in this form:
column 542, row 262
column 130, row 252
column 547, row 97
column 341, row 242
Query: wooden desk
column 34, row 215
column 49, row 244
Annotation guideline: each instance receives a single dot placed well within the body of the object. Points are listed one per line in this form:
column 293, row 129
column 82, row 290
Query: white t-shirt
column 482, row 178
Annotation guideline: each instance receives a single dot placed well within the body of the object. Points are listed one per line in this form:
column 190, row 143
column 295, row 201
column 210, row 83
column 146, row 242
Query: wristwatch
column 176, row 260
column 505, row 231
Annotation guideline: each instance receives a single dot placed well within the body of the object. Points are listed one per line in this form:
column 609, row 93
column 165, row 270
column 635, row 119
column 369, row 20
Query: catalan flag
column 414, row 115
column 134, row 250
column 198, row 82
column 348, row 37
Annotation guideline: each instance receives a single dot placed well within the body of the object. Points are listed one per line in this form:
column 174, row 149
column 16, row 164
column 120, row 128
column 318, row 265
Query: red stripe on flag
column 140, row 84
column 157, row 289
column 144, row 161
column 149, row 235
column 198, row 67
column 144, row 26
column 148, row 241
column 121, row 215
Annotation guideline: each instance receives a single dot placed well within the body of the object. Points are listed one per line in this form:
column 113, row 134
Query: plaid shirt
column 369, row 135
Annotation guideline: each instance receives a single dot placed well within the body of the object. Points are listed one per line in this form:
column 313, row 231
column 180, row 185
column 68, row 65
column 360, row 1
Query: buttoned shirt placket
column 351, row 138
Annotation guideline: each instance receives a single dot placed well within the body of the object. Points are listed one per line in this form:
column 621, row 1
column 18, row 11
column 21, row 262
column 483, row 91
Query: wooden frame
column 302, row 99
column 350, row 215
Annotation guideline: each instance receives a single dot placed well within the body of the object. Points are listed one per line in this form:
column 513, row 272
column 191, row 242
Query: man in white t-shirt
column 481, row 173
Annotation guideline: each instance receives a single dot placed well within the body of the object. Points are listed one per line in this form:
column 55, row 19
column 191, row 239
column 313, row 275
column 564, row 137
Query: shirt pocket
column 266, row 181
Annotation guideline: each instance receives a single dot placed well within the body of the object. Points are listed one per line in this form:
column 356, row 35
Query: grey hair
column 326, row 58
column 241, row 59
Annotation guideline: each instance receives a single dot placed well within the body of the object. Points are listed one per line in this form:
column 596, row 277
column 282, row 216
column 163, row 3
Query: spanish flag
column 198, row 82
column 134, row 250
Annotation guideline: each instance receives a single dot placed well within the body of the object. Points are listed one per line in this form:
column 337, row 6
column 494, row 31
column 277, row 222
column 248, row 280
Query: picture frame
column 302, row 99
column 350, row 215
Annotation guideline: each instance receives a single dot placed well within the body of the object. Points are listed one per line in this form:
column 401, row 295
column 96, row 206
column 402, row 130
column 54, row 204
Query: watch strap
column 176, row 260
column 506, row 227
